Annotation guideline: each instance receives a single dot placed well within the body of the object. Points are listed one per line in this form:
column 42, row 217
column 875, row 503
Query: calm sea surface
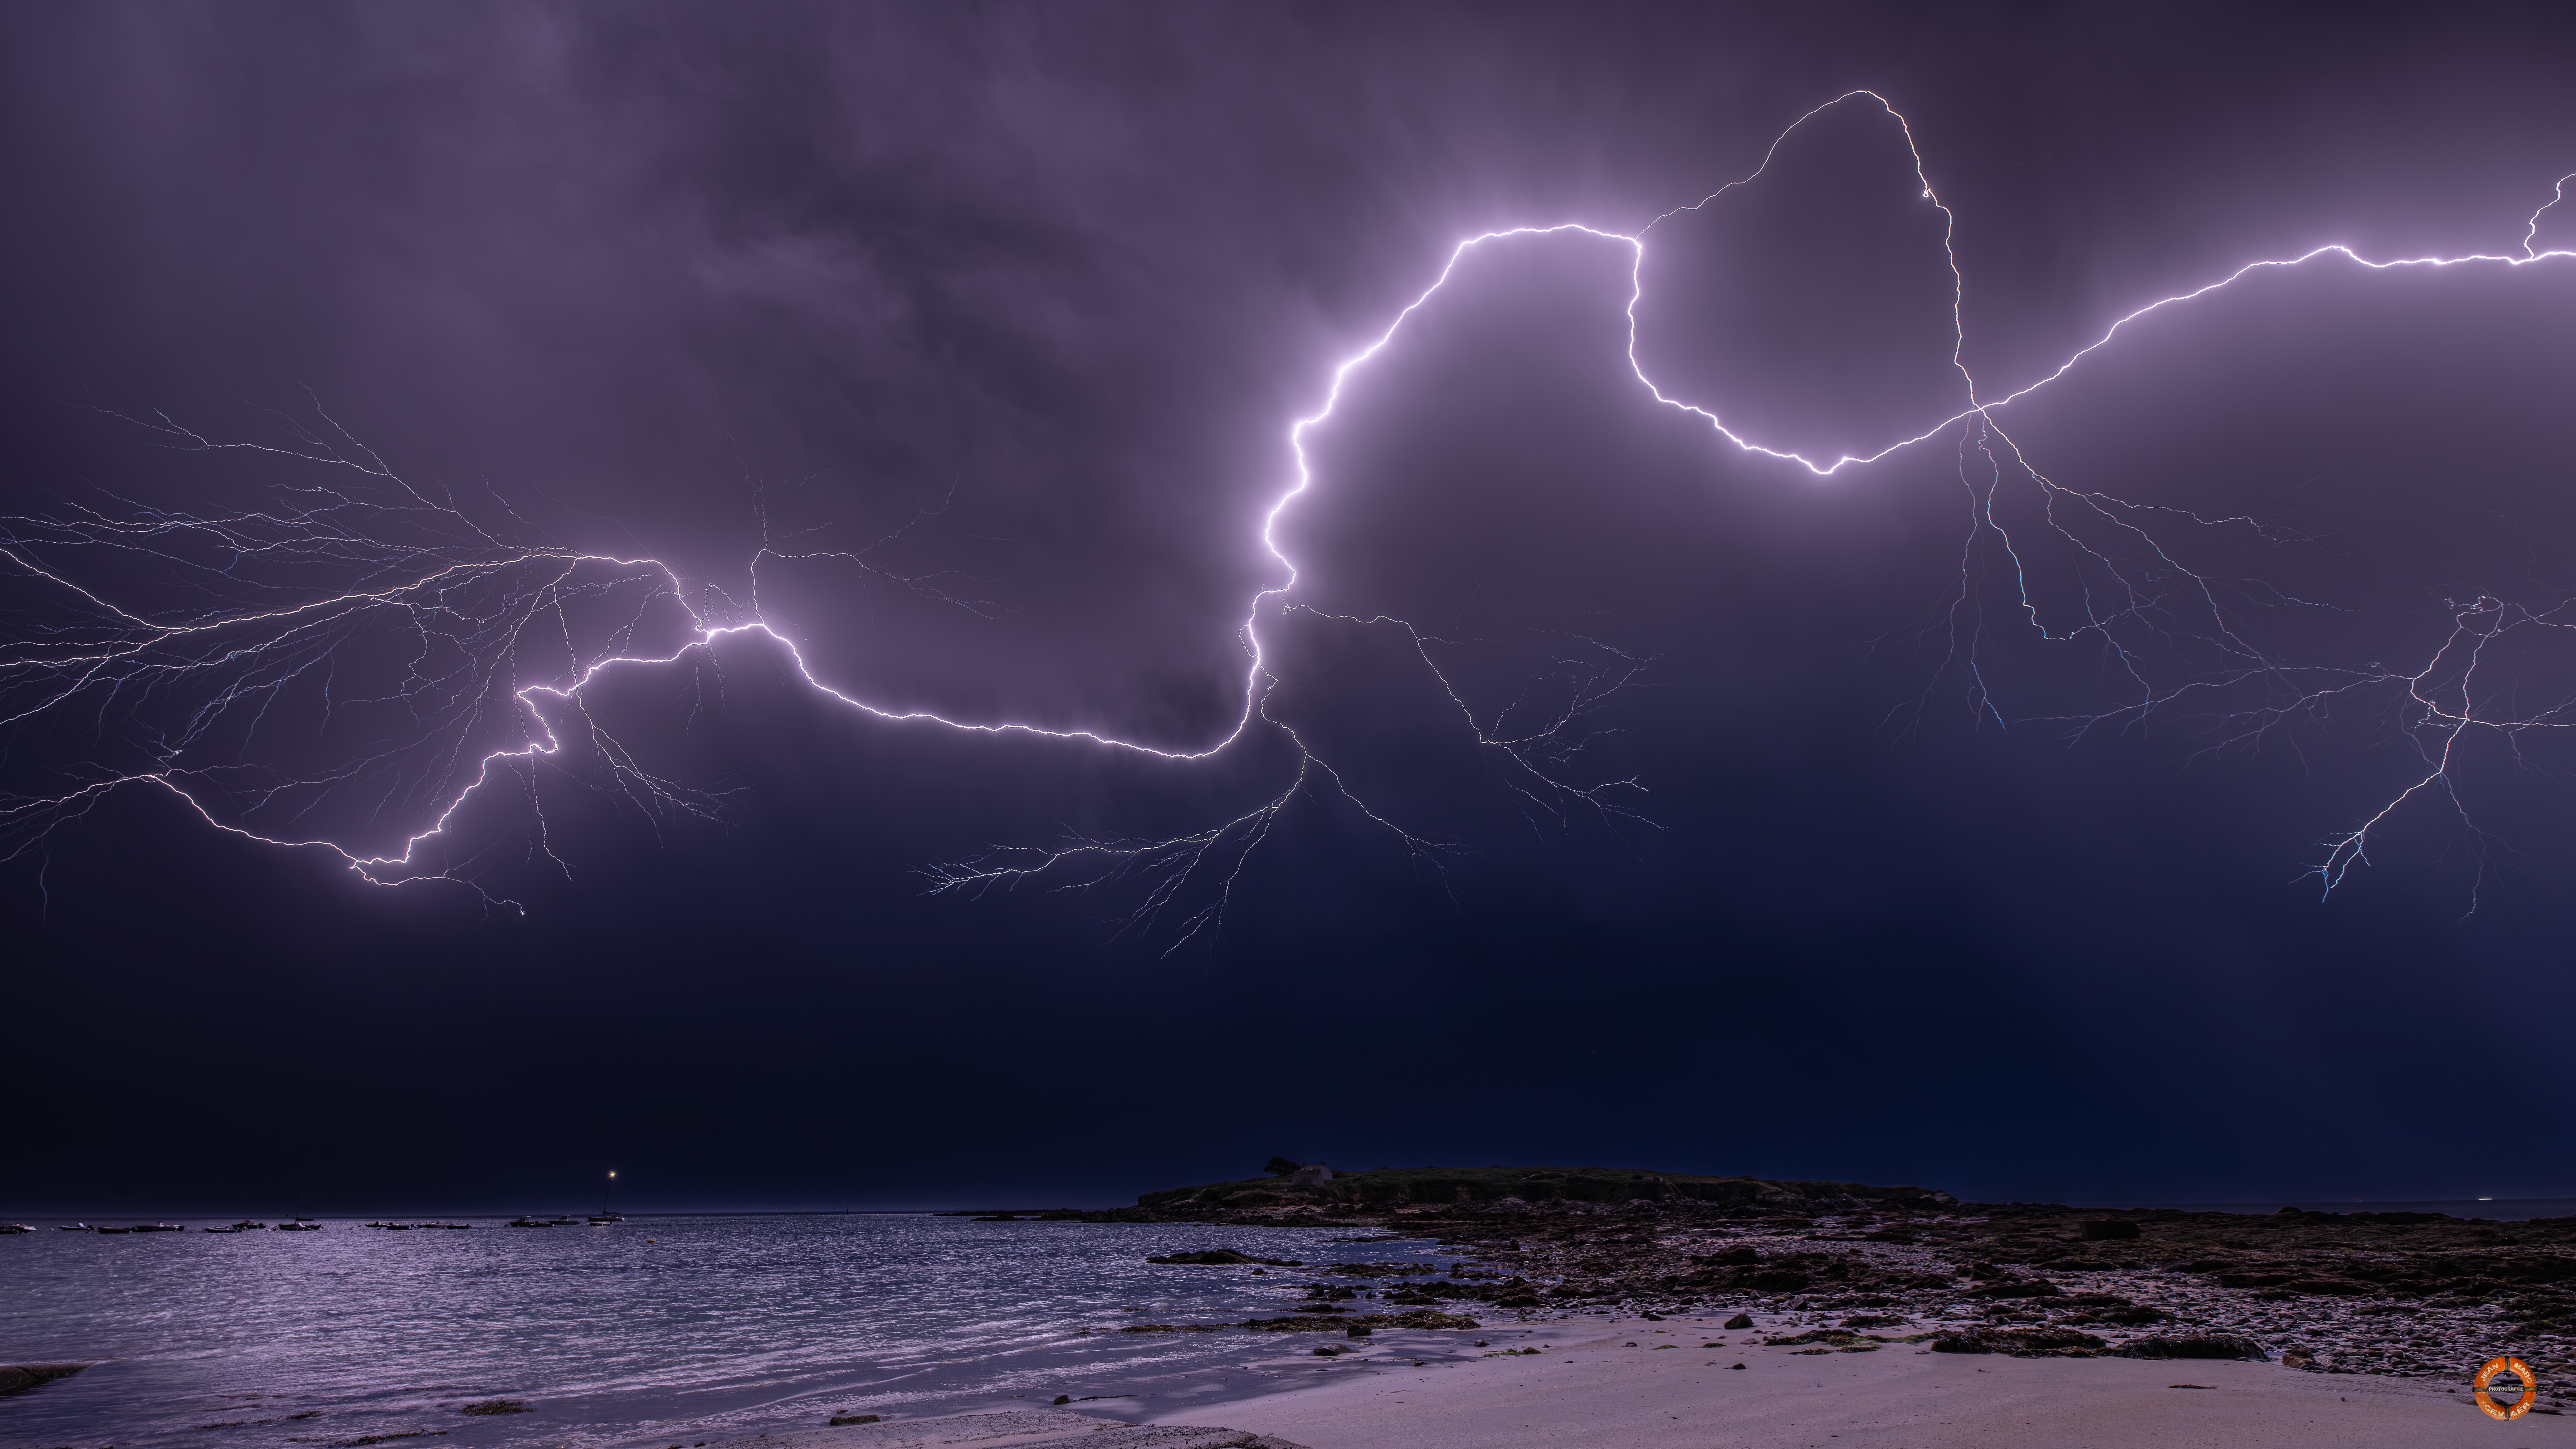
column 668, row 1330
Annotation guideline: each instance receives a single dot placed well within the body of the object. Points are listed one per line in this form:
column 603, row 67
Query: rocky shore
column 1012, row 1429
column 1842, row 1267
column 20, row 1377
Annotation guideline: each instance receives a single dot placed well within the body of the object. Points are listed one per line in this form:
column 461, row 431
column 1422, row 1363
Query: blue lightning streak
column 470, row 602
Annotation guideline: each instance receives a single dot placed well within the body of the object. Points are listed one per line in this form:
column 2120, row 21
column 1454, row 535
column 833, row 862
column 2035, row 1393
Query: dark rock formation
column 1831, row 1337
column 19, row 1377
column 2191, row 1345
column 1322, row 1323
column 2017, row 1288
column 1436, row 1290
column 2365, row 1292
column 1399, row 1187
column 2019, row 1342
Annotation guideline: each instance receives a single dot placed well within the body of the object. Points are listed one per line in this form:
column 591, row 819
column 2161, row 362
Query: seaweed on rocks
column 2192, row 1345
column 2020, row 1342
column 1322, row 1323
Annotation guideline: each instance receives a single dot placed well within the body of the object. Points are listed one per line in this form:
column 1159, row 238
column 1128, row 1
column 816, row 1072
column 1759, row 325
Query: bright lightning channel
column 46, row 671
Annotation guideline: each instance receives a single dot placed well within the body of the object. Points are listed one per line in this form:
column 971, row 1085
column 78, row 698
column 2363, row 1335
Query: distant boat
column 525, row 1221
column 604, row 1215
column 152, row 1228
column 74, row 1228
column 299, row 1227
column 115, row 1230
column 7, row 1228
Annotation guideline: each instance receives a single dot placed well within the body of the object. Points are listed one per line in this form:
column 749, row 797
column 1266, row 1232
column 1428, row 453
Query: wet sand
column 1595, row 1390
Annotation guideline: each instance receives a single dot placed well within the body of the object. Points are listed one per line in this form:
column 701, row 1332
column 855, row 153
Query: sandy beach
column 1651, row 1384
column 1598, row 1389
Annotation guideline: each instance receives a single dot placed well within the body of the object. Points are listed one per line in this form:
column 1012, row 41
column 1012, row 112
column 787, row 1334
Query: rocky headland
column 1853, row 1267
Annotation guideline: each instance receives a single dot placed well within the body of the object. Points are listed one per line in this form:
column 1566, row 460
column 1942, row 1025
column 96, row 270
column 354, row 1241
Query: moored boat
column 605, row 1214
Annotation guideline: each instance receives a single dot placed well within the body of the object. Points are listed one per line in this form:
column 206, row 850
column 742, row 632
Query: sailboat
column 604, row 1215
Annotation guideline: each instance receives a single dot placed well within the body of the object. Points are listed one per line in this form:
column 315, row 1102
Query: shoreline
column 2396, row 1293
column 2324, row 1310
column 1639, row 1383
column 1597, row 1390
column 1216, row 1317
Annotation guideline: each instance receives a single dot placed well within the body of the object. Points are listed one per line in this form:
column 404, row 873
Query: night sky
column 1915, row 823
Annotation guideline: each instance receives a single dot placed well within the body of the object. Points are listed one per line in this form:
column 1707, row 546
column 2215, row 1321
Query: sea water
column 661, row 1330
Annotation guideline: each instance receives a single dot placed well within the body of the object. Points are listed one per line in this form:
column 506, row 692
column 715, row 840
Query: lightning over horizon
column 163, row 642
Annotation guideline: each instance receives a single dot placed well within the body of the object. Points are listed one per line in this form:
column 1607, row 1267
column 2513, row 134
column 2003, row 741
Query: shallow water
column 665, row 1331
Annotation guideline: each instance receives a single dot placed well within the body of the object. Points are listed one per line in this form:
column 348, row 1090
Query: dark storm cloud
column 1051, row 281
column 661, row 272
column 673, row 270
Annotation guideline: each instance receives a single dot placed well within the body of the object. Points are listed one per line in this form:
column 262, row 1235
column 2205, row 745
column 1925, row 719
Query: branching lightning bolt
column 478, row 614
